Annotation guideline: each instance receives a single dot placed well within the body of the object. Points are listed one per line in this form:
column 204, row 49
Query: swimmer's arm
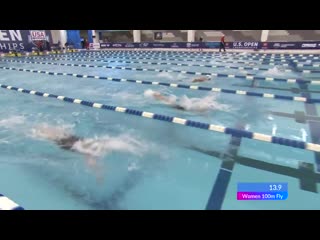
column 90, row 161
column 92, row 164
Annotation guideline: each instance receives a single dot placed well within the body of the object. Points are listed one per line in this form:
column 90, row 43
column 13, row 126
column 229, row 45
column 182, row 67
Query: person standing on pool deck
column 222, row 44
column 200, row 40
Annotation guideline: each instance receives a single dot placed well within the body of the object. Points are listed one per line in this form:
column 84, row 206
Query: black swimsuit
column 179, row 107
column 67, row 142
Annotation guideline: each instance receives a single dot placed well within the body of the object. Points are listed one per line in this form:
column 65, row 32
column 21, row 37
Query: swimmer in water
column 167, row 100
column 201, row 79
column 67, row 141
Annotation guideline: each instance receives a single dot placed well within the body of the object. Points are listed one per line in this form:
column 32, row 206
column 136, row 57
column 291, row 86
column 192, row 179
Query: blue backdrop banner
column 23, row 40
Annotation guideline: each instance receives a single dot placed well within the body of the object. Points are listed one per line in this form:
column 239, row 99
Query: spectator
column 200, row 47
column 222, row 44
column 86, row 43
column 59, row 45
column 48, row 45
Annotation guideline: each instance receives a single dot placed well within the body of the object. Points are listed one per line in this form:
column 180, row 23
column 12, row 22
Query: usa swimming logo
column 37, row 37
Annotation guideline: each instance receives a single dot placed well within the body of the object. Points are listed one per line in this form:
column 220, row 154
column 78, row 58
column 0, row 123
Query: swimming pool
column 152, row 164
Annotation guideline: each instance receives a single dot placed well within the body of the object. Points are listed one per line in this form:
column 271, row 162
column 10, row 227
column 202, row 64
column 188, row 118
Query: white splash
column 166, row 75
column 47, row 132
column 133, row 166
column 270, row 118
column 274, row 129
column 129, row 97
column 304, row 134
column 12, row 121
column 170, row 99
column 202, row 104
column 98, row 147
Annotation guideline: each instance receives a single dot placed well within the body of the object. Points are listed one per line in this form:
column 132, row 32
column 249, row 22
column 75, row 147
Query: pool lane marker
column 247, row 77
column 190, row 60
column 178, row 64
column 223, row 56
column 206, row 53
column 154, row 63
column 211, row 127
column 171, row 59
column 193, row 87
column 7, row 204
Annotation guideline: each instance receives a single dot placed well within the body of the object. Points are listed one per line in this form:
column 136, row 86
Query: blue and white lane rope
column 198, row 58
column 7, row 204
column 247, row 77
column 193, row 55
column 263, row 58
column 215, row 53
column 209, row 53
column 176, row 120
column 155, row 63
column 165, row 59
column 103, row 60
column 191, row 87
column 205, row 52
column 261, row 61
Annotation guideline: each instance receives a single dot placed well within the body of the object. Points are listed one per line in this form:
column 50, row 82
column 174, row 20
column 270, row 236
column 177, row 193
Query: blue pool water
column 149, row 164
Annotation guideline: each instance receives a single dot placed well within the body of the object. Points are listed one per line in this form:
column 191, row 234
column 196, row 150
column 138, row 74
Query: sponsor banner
column 24, row 40
column 105, row 45
column 211, row 44
column 230, row 45
column 145, row 45
column 244, row 45
column 130, row 45
column 177, row 45
column 279, row 45
column 310, row 45
column 195, row 45
column 94, row 46
column 290, row 45
column 117, row 45
column 159, row 45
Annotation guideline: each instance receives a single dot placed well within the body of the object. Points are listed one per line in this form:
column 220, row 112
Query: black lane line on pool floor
column 300, row 117
column 314, row 126
column 220, row 186
column 305, row 173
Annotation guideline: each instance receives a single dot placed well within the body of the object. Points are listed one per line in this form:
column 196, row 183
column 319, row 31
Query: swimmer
column 200, row 105
column 167, row 100
column 201, row 79
column 67, row 141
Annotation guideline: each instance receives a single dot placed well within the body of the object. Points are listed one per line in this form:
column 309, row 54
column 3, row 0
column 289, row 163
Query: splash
column 202, row 104
column 170, row 99
column 127, row 96
column 148, row 93
column 101, row 146
column 304, row 134
column 270, row 118
column 275, row 71
column 274, row 129
column 171, row 76
column 45, row 131
column 12, row 121
column 166, row 75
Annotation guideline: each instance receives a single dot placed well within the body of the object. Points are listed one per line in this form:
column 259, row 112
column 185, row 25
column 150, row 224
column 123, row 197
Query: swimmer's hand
column 92, row 164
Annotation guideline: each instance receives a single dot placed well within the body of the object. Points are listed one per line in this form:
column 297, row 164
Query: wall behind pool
column 214, row 35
